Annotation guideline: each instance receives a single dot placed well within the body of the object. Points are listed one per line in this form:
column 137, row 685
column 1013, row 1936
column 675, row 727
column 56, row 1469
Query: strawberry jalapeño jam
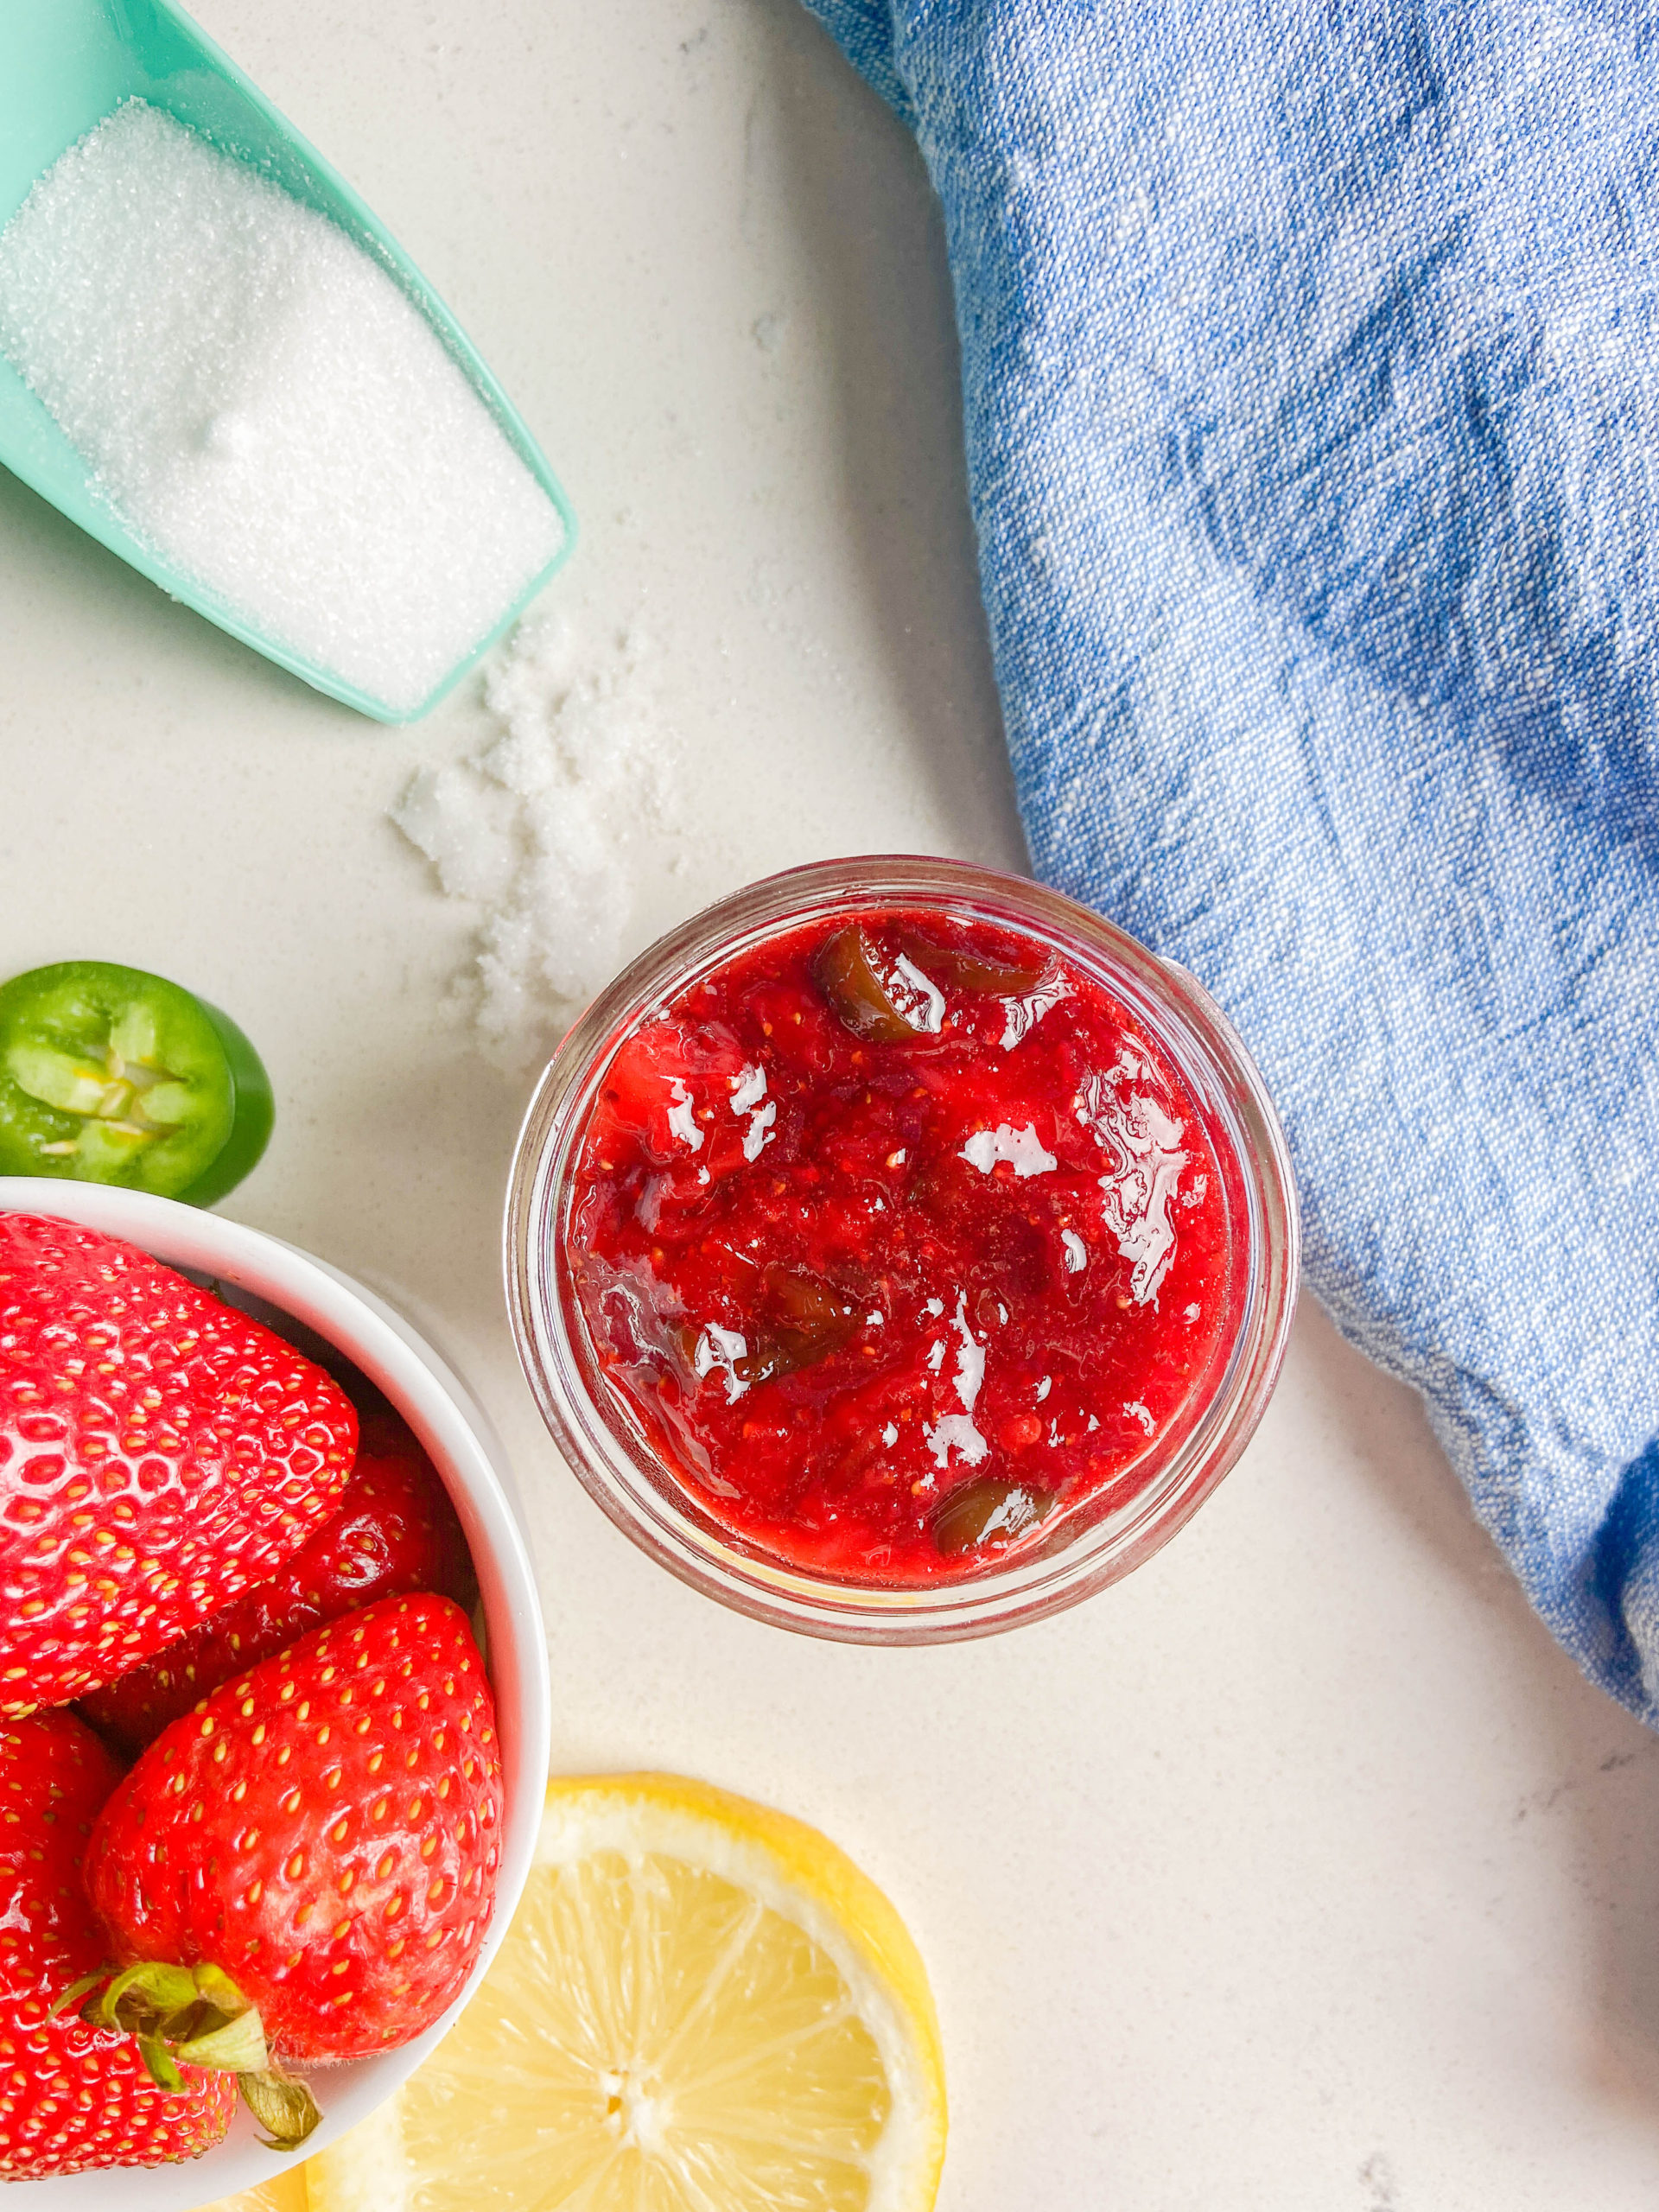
column 903, row 1243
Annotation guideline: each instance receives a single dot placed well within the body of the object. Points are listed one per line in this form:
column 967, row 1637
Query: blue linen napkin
column 1311, row 365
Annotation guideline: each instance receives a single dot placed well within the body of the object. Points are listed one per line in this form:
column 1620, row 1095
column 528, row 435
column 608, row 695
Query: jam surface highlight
column 902, row 1243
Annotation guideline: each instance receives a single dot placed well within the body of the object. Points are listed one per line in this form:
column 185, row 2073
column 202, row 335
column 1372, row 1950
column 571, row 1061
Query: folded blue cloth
column 1311, row 361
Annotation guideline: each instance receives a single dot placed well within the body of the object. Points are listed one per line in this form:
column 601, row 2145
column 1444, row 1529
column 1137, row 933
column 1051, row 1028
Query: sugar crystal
column 261, row 403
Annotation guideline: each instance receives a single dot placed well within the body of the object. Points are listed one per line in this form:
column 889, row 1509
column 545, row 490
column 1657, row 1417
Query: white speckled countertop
column 1301, row 1873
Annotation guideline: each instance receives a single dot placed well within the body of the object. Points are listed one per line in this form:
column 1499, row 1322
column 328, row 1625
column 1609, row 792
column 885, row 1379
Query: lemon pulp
column 700, row 2006
column 287, row 2193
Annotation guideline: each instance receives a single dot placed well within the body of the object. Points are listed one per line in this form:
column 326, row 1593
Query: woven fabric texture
column 1312, row 398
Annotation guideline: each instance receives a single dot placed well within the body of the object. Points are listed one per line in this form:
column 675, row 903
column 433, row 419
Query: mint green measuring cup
column 65, row 65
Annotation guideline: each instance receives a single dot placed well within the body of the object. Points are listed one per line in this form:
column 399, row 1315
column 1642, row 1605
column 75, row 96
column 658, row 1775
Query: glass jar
column 631, row 1477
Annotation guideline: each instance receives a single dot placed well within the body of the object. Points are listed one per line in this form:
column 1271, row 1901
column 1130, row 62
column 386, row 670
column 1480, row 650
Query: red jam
column 901, row 1242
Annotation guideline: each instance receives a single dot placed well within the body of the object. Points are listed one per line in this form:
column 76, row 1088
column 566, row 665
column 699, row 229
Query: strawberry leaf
column 159, row 2062
column 77, row 1990
column 285, row 2109
column 235, row 2046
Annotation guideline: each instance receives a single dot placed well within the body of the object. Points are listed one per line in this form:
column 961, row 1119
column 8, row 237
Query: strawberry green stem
column 235, row 2046
column 77, row 1990
column 160, row 2065
column 285, row 2109
column 185, row 2016
column 141, row 1995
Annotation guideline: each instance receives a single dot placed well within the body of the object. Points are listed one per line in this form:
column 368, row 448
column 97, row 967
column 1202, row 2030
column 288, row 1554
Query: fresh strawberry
column 324, row 1831
column 159, row 1452
column 395, row 1531
column 54, row 1774
column 72, row 2096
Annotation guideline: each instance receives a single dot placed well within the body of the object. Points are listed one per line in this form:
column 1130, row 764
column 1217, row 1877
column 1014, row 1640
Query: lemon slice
column 286, row 2194
column 700, row 2006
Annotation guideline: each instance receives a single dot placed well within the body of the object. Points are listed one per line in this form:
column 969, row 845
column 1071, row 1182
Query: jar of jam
column 898, row 1251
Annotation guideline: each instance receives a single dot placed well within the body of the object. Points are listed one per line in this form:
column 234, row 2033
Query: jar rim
column 653, row 1507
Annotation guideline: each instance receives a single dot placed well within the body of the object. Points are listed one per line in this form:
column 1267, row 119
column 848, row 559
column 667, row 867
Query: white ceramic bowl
column 464, row 1448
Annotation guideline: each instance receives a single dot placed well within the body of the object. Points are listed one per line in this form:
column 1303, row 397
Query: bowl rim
column 664, row 1520
column 470, row 1458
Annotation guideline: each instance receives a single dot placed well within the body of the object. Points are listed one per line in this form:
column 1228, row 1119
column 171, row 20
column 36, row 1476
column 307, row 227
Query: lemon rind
column 796, row 1872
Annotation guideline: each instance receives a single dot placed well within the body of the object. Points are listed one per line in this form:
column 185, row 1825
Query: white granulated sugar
column 263, row 405
column 538, row 830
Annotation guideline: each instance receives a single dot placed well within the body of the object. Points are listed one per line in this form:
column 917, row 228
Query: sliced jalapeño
column 110, row 1075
